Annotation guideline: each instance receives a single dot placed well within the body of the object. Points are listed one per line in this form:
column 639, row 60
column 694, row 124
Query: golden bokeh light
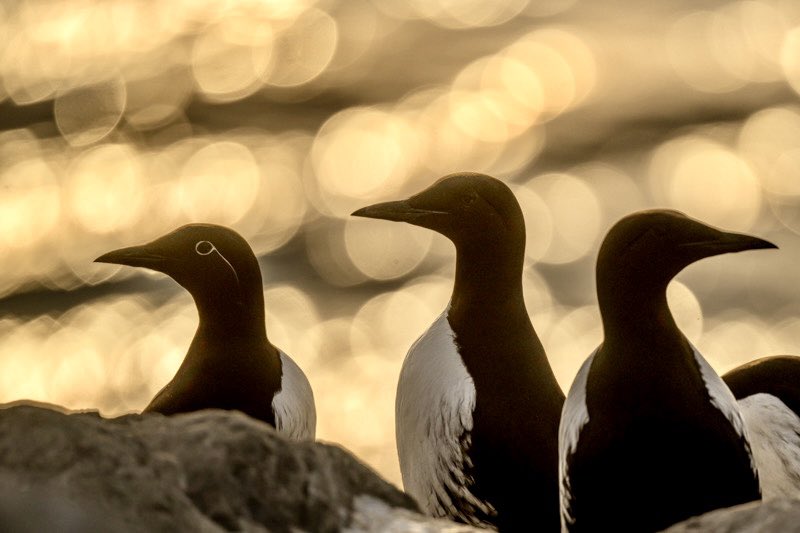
column 327, row 253
column 734, row 339
column 227, row 67
column 73, row 360
column 85, row 115
column 517, row 153
column 283, row 208
column 790, row 58
column 358, row 29
column 361, row 417
column 469, row 13
column 695, row 53
column 303, row 50
column 105, row 189
column 432, row 290
column 291, row 319
column 538, row 222
column 386, row 250
column 219, row 182
column 764, row 27
column 447, row 147
column 360, row 154
column 770, row 140
column 30, row 205
column 723, row 49
column 480, row 115
column 617, row 192
column 548, row 8
column 519, row 86
column 785, row 334
column 26, row 79
column 547, row 51
column 743, row 36
column 571, row 338
column 395, row 320
column 539, row 300
column 708, row 181
column 575, row 215
column 20, row 364
column 156, row 101
column 686, row 309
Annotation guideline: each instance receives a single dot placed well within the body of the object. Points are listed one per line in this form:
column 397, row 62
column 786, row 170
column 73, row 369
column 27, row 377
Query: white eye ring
column 203, row 243
column 211, row 250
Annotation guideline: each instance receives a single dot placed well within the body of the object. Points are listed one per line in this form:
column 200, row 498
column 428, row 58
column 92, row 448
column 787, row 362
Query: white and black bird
column 231, row 363
column 768, row 390
column 650, row 435
column 477, row 405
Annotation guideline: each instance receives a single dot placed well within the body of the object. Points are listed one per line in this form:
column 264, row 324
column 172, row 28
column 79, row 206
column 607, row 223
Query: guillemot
column 768, row 391
column 231, row 363
column 478, row 405
column 650, row 435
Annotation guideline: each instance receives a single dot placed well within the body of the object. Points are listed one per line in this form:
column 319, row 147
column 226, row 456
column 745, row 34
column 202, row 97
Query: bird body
column 664, row 454
column 650, row 435
column 478, row 405
column 231, row 363
column 768, row 391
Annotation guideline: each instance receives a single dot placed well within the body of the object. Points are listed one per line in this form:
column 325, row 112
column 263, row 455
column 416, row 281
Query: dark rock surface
column 779, row 516
column 205, row 471
column 217, row 471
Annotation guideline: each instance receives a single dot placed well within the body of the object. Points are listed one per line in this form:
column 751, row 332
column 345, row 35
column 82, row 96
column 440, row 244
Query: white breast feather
column 433, row 417
column 774, row 432
column 574, row 416
column 723, row 399
column 293, row 405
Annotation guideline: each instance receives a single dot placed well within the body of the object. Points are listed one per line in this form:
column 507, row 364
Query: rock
column 376, row 516
column 774, row 515
column 36, row 510
column 207, row 471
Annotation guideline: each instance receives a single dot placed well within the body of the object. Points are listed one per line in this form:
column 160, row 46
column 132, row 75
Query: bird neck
column 634, row 309
column 232, row 315
column 488, row 315
column 488, row 274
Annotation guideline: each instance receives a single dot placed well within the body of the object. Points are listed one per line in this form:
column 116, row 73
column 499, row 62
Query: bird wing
column 722, row 398
column 774, row 432
column 574, row 416
column 293, row 405
column 435, row 402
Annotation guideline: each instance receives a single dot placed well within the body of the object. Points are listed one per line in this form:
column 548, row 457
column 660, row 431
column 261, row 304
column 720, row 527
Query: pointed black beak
column 136, row 256
column 399, row 211
column 726, row 242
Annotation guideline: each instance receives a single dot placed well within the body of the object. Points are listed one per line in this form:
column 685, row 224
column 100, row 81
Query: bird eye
column 204, row 248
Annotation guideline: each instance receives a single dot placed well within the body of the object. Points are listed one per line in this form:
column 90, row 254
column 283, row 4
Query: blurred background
column 121, row 120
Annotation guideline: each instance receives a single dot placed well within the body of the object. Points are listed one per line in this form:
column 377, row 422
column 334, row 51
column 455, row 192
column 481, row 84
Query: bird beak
column 725, row 242
column 399, row 211
column 136, row 256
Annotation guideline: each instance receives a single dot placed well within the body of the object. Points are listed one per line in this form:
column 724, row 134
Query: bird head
column 658, row 243
column 209, row 261
column 467, row 208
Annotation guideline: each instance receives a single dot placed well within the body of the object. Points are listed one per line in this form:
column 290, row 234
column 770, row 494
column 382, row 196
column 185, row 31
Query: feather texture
column 293, row 405
column 774, row 432
column 435, row 403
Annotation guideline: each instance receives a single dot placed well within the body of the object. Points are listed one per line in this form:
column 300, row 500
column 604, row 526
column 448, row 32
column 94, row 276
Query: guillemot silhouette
column 478, row 406
column 231, row 364
column 650, row 435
